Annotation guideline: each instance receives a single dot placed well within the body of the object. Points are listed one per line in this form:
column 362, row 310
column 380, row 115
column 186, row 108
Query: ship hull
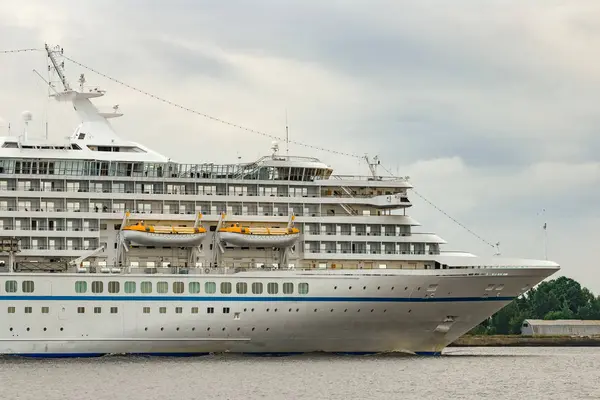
column 341, row 314
column 243, row 240
column 161, row 239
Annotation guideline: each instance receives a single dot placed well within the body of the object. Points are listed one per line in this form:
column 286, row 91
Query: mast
column 58, row 67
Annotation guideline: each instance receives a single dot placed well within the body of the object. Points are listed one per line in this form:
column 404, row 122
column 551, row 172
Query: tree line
column 561, row 298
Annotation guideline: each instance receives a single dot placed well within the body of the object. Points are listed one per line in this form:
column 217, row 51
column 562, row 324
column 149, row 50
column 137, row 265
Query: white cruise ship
column 110, row 247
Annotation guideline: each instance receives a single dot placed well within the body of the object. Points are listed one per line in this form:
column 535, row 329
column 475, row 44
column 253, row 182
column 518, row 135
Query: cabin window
column 210, row 310
column 11, row 310
column 28, row 310
column 178, row 310
column 257, row 288
column 210, row 287
column 80, row 310
column 129, row 287
column 225, row 310
column 162, row 287
column 288, row 288
column 97, row 287
column 80, row 287
column 10, row 286
column 146, row 310
column 194, row 287
column 45, row 310
column 162, row 310
column 97, row 310
column 225, row 287
column 27, row 286
column 114, row 310
column 241, row 287
column 194, row 310
column 303, row 288
column 272, row 288
column 178, row 287
column 114, row 287
column 146, row 287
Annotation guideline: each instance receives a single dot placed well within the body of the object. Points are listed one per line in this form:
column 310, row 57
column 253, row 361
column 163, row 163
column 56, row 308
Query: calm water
column 492, row 373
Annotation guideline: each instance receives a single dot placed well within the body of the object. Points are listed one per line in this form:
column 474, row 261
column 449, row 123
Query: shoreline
column 525, row 341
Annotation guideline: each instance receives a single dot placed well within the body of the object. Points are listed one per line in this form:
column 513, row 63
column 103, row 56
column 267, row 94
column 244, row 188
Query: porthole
column 419, row 288
column 346, row 310
column 194, row 328
column 253, row 329
column 372, row 310
column 162, row 329
column 252, row 309
column 315, row 310
column 331, row 310
column 409, row 310
column 406, row 288
column 297, row 309
column 364, row 288
column 349, row 287
column 378, row 287
column 146, row 328
column 335, row 288
column 392, row 287
column 290, row 310
column 61, row 329
column 238, row 329
column 27, row 329
column 358, row 310
column 267, row 329
column 208, row 329
column 245, row 309
column 384, row 310
column 177, row 329
column 275, row 310
column 11, row 329
column 223, row 329
column 45, row 329
column 268, row 309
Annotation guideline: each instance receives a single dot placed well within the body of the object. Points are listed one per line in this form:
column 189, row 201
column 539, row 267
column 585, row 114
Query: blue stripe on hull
column 260, row 354
column 255, row 298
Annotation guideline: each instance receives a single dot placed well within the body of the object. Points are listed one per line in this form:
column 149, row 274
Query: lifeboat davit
column 172, row 236
column 259, row 237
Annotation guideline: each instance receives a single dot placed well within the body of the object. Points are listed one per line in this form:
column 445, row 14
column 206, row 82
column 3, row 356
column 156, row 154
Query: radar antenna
column 373, row 166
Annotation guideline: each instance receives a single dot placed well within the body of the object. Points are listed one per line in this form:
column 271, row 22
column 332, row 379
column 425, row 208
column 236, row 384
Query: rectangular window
column 210, row 288
column 80, row 287
column 257, row 288
column 178, row 310
column 241, row 287
column 80, row 310
column 97, row 287
column 194, row 310
column 45, row 310
column 272, row 288
column 146, row 310
column 225, row 287
column 27, row 286
column 146, row 287
column 114, row 287
column 162, row 287
column 225, row 310
column 11, row 310
column 28, row 310
column 97, row 310
column 114, row 310
column 129, row 287
column 178, row 287
column 162, row 310
column 210, row 310
column 303, row 288
column 194, row 287
column 288, row 288
column 10, row 286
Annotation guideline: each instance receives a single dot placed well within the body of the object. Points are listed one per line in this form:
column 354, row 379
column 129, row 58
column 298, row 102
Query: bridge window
column 178, row 287
column 303, row 288
column 194, row 287
column 241, row 287
column 288, row 288
column 114, row 287
column 97, row 287
column 10, row 286
column 27, row 286
column 129, row 287
column 272, row 288
column 162, row 287
column 210, row 287
column 257, row 288
column 80, row 287
column 225, row 287
column 146, row 287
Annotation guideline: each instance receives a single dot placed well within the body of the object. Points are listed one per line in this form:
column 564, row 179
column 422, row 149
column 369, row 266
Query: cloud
column 491, row 110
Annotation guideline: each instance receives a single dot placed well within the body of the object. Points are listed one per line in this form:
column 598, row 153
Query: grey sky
column 491, row 108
